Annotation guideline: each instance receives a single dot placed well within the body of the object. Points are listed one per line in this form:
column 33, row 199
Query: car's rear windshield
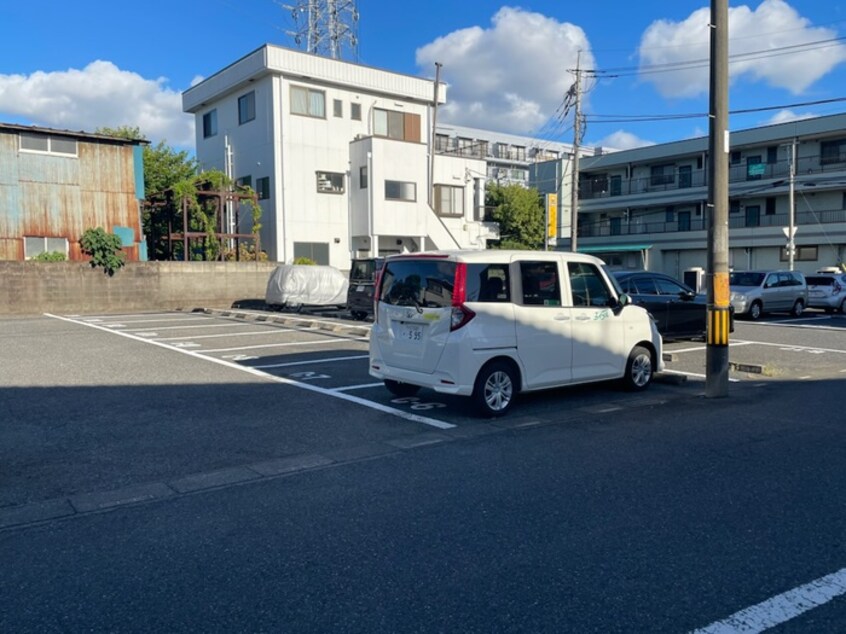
column 364, row 270
column 819, row 280
column 746, row 278
column 418, row 282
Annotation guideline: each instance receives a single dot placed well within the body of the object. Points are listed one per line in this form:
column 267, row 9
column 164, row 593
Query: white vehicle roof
column 497, row 255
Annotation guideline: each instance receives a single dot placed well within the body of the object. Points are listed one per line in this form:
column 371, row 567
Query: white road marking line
column 363, row 386
column 311, row 361
column 695, row 375
column 228, row 323
column 782, row 607
column 268, row 331
column 802, row 378
column 313, row 342
column 698, row 348
column 150, row 321
column 781, row 345
column 124, row 315
column 425, row 420
column 298, row 316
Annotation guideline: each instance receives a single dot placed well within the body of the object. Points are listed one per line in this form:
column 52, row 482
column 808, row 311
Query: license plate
column 411, row 332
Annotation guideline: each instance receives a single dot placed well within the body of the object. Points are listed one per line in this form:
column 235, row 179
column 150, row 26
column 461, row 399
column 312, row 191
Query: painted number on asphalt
column 416, row 404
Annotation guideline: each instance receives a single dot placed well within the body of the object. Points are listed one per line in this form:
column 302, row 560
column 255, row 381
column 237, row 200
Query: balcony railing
column 635, row 226
column 591, row 188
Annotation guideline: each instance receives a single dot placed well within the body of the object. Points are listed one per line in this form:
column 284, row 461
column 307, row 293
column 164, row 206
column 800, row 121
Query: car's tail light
column 460, row 314
column 377, row 292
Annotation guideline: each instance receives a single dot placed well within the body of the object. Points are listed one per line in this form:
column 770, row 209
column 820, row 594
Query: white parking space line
column 425, row 420
column 782, row 607
column 695, row 375
column 803, row 348
column 157, row 321
column 363, row 386
column 313, row 342
column 311, row 362
column 268, row 331
column 698, row 348
column 224, row 325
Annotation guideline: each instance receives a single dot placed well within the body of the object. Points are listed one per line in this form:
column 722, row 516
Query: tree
column 164, row 167
column 520, row 214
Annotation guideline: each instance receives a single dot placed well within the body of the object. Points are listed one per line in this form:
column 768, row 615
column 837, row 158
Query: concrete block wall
column 75, row 287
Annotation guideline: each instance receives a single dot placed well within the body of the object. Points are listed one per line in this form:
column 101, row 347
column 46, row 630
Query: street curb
column 752, row 368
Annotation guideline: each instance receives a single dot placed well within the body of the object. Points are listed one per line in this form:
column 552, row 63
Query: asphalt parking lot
column 181, row 422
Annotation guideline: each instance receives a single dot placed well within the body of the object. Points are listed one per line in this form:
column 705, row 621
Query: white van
column 489, row 324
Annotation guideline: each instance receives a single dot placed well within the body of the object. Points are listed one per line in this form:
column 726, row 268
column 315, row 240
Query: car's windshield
column 364, row 270
column 746, row 278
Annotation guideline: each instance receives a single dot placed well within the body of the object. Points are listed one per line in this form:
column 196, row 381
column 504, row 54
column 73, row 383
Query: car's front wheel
column 798, row 308
column 495, row 389
column 398, row 388
column 639, row 369
column 756, row 310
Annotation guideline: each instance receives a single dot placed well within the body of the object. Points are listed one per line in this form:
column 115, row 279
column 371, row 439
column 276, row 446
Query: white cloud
column 99, row 95
column 785, row 116
column 621, row 140
column 772, row 26
column 510, row 77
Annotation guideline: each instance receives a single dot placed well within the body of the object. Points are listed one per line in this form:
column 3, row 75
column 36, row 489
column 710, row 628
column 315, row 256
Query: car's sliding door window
column 540, row 283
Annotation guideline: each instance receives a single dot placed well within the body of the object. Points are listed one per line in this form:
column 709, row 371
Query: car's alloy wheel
column 639, row 370
column 755, row 310
column 798, row 308
column 495, row 389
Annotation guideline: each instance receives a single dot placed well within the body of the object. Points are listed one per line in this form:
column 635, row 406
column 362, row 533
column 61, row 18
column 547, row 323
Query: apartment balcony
column 739, row 220
column 605, row 186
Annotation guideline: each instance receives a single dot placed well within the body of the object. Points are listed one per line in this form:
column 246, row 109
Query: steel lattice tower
column 325, row 27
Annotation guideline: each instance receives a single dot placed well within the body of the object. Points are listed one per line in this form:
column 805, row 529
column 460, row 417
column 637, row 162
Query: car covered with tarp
column 295, row 286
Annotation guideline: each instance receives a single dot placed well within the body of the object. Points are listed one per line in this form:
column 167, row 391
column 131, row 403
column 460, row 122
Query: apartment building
column 339, row 154
column 647, row 207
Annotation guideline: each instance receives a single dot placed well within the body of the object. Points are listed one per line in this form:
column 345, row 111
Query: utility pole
column 577, row 133
column 791, row 212
column 717, row 348
column 434, row 137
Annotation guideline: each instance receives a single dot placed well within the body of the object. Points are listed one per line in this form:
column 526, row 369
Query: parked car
column 678, row 310
column 490, row 324
column 827, row 291
column 754, row 293
column 294, row 286
column 363, row 273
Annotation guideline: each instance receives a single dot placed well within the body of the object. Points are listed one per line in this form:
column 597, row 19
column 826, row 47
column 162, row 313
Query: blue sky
column 88, row 63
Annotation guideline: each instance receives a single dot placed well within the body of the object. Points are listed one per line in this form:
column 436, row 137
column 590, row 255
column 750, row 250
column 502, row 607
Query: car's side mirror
column 688, row 295
column 623, row 300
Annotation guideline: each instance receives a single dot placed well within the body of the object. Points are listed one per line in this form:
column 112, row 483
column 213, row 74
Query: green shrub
column 304, row 260
column 104, row 249
column 50, row 256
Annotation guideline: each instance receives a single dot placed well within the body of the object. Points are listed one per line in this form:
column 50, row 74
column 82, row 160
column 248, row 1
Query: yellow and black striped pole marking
column 719, row 314
column 718, row 326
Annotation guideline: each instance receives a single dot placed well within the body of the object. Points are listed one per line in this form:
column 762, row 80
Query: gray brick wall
column 73, row 287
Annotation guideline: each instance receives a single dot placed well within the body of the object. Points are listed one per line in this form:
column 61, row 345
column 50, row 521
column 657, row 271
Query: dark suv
column 363, row 273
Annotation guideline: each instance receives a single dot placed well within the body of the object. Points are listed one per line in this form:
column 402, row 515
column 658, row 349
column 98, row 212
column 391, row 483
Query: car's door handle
column 562, row 318
column 582, row 318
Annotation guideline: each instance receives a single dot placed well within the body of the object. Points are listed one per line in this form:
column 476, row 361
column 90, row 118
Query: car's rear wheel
column 798, row 308
column 398, row 388
column 359, row 315
column 495, row 389
column 756, row 310
column 639, row 369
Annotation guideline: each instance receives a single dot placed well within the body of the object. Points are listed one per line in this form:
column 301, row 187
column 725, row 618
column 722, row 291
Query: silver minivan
column 491, row 324
column 754, row 293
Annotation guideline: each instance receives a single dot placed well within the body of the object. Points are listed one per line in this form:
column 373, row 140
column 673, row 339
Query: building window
column 615, row 185
column 662, row 175
column 399, row 190
column 48, row 144
column 318, row 252
column 772, row 154
column 833, row 152
column 244, row 181
column 402, row 126
column 734, row 158
column 247, row 107
column 771, row 207
column 449, row 200
column 337, row 107
column 307, row 102
column 36, row 245
column 754, row 168
column 362, row 177
column 800, row 254
column 670, row 215
column 734, row 206
column 441, row 142
column 355, row 111
column 263, row 187
column 210, row 124
column 330, row 182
